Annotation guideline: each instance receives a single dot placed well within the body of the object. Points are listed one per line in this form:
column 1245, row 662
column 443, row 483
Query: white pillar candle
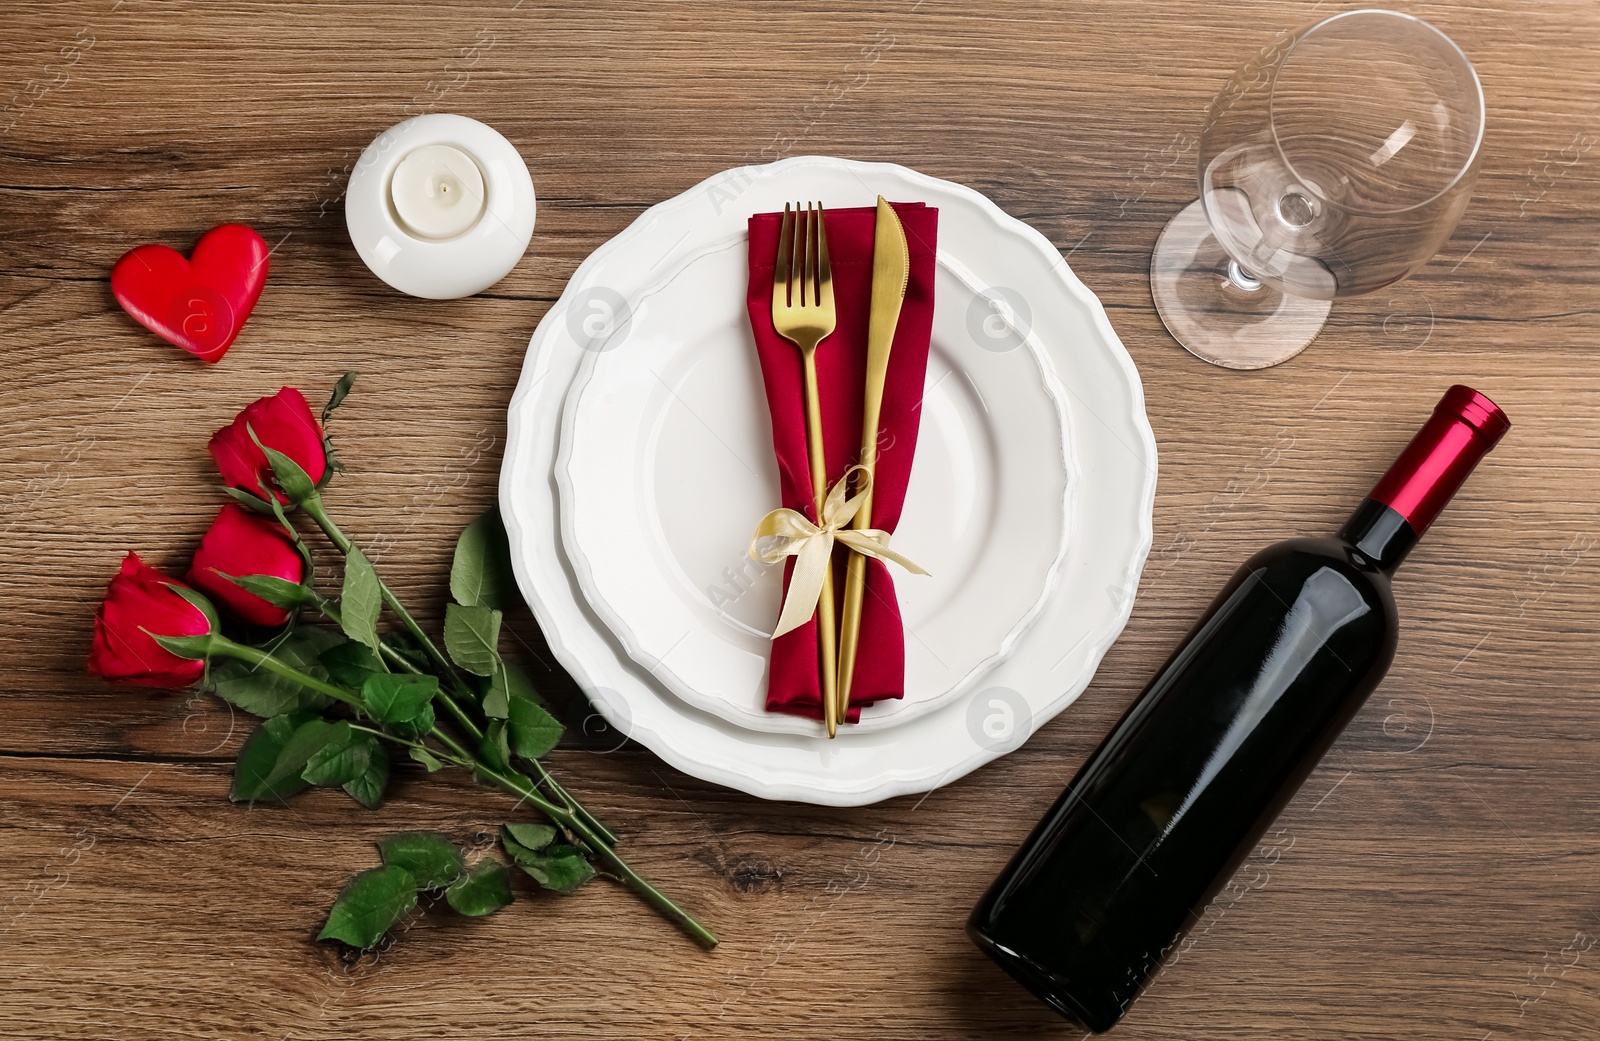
column 440, row 206
column 437, row 192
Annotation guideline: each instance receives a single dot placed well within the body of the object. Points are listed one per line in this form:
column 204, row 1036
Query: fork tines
column 802, row 261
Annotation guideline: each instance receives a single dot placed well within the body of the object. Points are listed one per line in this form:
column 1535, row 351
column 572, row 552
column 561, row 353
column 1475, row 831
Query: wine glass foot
column 1218, row 311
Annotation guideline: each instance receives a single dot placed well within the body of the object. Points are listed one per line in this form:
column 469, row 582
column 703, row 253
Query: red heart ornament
column 199, row 303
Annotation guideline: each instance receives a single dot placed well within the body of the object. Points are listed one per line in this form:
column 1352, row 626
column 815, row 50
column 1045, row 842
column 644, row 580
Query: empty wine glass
column 1334, row 163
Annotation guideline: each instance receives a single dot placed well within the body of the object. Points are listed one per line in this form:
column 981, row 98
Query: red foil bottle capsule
column 1465, row 425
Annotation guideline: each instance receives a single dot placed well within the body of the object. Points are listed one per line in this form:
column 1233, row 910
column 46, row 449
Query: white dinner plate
column 1049, row 666
column 666, row 465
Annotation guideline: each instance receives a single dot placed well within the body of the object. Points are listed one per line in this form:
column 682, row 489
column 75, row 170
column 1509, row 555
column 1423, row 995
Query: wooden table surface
column 1436, row 877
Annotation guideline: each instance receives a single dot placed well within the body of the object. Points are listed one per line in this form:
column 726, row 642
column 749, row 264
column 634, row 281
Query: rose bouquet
column 338, row 700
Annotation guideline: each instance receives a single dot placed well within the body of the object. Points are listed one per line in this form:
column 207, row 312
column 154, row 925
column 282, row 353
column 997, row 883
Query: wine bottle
column 1180, row 791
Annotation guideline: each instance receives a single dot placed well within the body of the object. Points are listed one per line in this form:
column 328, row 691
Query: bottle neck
column 1464, row 426
column 1379, row 535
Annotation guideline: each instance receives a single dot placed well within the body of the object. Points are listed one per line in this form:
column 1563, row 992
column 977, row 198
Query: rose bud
column 244, row 543
column 141, row 601
column 282, row 422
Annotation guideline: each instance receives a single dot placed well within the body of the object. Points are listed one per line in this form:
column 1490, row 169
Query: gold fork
column 802, row 313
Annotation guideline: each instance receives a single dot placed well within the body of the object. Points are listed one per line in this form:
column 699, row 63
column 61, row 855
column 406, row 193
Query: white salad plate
column 1109, row 531
column 666, row 464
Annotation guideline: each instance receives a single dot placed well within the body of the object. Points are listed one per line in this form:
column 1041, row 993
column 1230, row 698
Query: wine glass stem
column 1241, row 279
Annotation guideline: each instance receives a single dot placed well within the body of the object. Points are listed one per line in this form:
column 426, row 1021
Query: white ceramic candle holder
column 463, row 214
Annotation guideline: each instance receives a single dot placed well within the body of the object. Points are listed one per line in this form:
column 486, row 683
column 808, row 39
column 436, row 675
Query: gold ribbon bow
column 793, row 535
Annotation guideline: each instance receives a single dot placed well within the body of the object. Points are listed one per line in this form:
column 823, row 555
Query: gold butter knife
column 891, row 269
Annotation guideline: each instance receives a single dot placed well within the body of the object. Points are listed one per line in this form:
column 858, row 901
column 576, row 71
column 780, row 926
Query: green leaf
column 516, row 850
column 533, row 731
column 368, row 788
column 480, row 574
column 267, row 694
column 507, row 684
column 426, row 758
column 258, row 757
column 433, row 860
column 253, row 502
column 278, row 592
column 419, row 726
column 305, row 646
column 497, row 699
column 525, row 840
column 340, row 391
column 262, row 693
column 518, row 683
column 472, row 636
column 495, row 747
column 308, row 739
column 370, row 906
column 350, row 663
column 484, row 889
column 560, row 867
column 360, row 599
column 400, row 698
column 345, row 758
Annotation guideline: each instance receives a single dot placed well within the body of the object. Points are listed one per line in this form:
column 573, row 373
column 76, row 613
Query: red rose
column 244, row 543
column 140, row 601
column 285, row 424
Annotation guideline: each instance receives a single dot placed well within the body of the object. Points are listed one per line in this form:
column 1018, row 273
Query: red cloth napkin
column 794, row 682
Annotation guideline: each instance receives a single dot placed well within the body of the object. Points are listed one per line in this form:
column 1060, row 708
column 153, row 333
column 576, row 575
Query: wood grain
column 1435, row 880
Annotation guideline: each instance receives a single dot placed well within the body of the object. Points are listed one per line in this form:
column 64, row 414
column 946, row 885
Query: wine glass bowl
column 1335, row 163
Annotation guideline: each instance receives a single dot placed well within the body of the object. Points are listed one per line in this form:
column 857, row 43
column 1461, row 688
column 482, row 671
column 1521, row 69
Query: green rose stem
column 518, row 786
column 331, row 612
column 653, row 896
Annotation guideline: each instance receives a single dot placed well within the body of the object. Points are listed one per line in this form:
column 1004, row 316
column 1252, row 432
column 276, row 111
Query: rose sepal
column 196, row 648
column 290, row 476
column 278, row 592
column 200, row 602
column 254, row 503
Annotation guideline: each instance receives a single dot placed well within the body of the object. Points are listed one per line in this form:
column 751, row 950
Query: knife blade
column 891, row 271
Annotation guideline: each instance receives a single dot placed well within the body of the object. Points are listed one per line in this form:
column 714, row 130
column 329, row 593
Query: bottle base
column 1041, row 984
